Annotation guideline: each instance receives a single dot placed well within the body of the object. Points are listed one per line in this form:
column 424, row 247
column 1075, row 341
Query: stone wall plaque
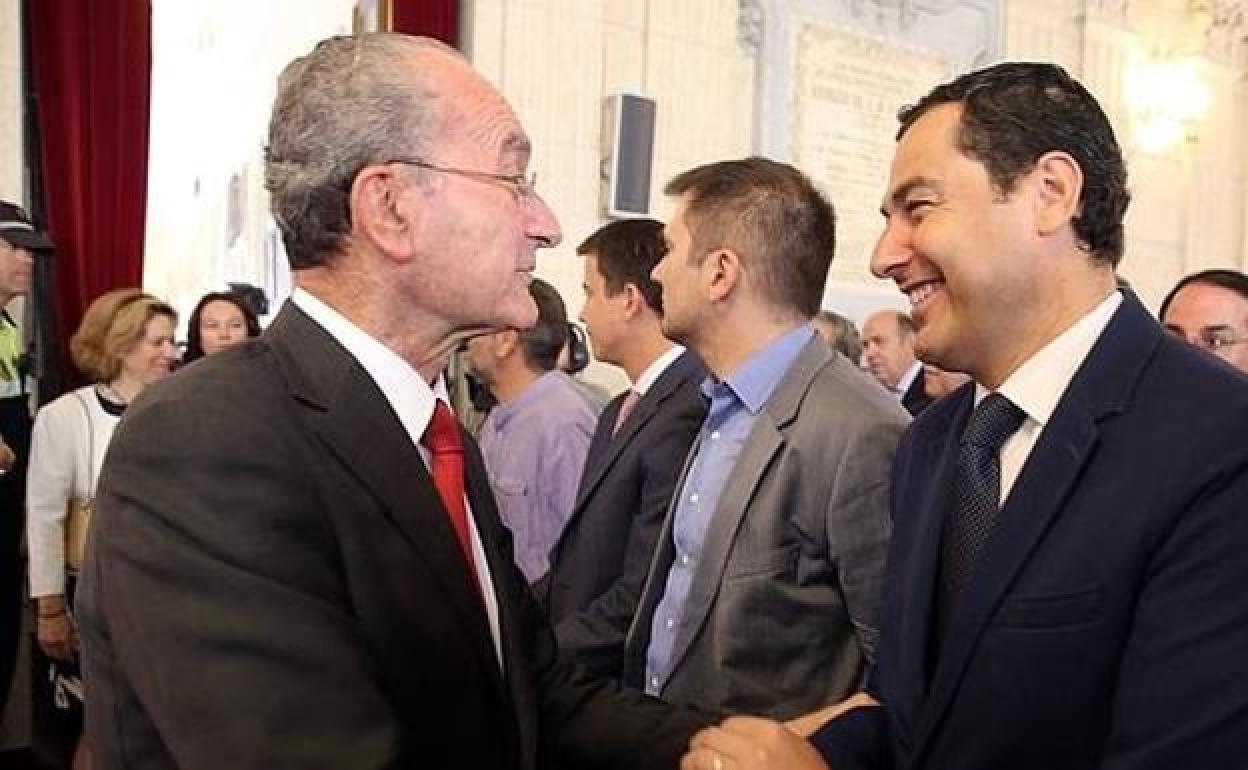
column 848, row 89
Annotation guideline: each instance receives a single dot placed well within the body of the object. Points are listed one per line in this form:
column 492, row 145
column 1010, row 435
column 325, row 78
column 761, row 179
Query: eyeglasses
column 522, row 186
column 1212, row 340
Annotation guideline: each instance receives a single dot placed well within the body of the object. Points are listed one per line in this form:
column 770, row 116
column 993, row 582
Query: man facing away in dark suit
column 295, row 560
column 888, row 353
column 763, row 592
column 599, row 563
column 1066, row 577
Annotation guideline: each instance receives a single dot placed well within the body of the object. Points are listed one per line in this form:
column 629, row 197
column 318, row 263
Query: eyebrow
column 899, row 195
column 517, row 144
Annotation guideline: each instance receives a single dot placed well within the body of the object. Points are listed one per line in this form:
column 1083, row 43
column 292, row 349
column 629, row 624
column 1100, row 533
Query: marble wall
column 558, row 61
column 732, row 77
column 214, row 77
column 12, row 185
column 12, row 170
column 728, row 79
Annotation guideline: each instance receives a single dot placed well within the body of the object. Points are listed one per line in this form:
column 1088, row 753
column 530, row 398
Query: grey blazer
column 782, row 614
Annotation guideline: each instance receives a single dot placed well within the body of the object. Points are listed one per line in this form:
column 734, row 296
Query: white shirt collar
column 656, row 369
column 409, row 395
column 1037, row 385
column 907, row 379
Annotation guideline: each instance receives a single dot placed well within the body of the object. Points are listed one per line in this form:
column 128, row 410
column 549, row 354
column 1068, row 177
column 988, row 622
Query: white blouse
column 67, row 447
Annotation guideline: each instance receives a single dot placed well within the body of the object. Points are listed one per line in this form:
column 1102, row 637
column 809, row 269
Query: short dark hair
column 1225, row 279
column 627, row 251
column 1013, row 113
column 195, row 341
column 542, row 343
column 772, row 216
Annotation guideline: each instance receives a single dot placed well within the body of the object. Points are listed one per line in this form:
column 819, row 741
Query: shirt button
column 684, row 558
column 654, row 681
column 670, row 623
column 714, row 435
column 693, row 498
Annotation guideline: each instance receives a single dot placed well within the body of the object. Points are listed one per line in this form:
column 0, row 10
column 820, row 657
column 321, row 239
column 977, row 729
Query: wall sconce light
column 1166, row 98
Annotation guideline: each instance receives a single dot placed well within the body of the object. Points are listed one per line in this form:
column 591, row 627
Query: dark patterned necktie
column 976, row 496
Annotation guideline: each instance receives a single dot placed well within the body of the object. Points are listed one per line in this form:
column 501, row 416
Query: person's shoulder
column 1196, row 394
column 842, row 388
column 70, row 403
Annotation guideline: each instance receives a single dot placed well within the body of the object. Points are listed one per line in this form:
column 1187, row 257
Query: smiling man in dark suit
column 600, row 562
column 296, row 561
column 1066, row 579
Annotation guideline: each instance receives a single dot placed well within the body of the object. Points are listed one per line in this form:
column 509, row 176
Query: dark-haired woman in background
column 221, row 320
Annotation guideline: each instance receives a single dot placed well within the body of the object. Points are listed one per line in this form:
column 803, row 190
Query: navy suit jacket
column 915, row 399
column 599, row 564
column 1107, row 624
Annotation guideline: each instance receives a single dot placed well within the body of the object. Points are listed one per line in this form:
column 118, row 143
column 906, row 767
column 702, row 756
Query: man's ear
column 505, row 342
column 377, row 216
column 722, row 272
column 1057, row 182
column 634, row 302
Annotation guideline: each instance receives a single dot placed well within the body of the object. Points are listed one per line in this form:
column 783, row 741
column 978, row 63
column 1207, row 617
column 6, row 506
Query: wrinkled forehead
column 930, row 140
column 1203, row 304
column 475, row 116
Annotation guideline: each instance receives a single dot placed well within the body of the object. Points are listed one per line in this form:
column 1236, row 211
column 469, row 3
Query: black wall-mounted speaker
column 628, row 155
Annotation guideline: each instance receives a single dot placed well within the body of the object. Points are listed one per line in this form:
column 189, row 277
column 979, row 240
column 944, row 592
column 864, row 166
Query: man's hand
column 807, row 724
column 749, row 743
column 57, row 637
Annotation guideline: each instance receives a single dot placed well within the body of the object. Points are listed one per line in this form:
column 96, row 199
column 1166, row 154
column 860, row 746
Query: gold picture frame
column 372, row 16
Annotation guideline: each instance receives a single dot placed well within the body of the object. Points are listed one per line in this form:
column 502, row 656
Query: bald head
column 888, row 346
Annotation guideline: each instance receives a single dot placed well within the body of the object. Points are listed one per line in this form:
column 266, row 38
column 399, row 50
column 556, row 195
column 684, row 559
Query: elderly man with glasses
column 1210, row 310
column 296, row 559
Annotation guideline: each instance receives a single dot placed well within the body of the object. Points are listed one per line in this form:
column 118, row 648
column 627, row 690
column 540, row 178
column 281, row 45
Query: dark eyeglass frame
column 523, row 186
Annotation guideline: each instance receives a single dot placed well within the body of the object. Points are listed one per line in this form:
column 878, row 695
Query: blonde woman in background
column 124, row 343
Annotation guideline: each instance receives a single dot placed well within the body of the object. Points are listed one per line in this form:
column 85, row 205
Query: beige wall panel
column 11, row 182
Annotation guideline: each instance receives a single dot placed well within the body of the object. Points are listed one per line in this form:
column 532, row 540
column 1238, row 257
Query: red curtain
column 91, row 63
column 431, row 18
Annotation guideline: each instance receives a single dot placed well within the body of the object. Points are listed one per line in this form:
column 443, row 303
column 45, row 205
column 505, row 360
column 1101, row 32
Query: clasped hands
column 752, row 743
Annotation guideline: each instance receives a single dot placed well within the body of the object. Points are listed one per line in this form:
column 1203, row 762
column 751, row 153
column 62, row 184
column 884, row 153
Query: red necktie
column 626, row 408
column 447, row 468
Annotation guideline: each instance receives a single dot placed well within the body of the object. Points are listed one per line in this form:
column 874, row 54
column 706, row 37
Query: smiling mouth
column 920, row 293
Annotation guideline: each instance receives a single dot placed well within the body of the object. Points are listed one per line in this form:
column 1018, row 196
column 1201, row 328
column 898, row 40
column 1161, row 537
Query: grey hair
column 352, row 101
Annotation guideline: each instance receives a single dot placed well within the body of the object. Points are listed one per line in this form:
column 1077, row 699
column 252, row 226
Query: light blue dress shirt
column 735, row 404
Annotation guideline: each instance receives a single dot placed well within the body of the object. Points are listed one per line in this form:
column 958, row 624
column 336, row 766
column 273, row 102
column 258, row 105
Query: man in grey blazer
column 763, row 593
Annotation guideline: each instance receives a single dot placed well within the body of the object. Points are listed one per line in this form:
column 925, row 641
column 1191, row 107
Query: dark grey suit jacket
column 783, row 611
column 600, row 562
column 273, row 583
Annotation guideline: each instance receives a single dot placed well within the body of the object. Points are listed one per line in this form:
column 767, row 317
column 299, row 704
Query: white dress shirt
column 1038, row 384
column 656, row 368
column 412, row 399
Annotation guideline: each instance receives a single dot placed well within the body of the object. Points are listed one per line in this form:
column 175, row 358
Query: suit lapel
column 930, row 467
column 599, row 456
column 1101, row 387
column 353, row 418
column 765, row 439
column 597, row 466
